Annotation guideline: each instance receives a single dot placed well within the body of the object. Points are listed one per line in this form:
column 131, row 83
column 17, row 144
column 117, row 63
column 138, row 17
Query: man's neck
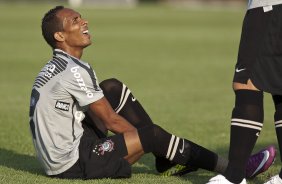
column 77, row 53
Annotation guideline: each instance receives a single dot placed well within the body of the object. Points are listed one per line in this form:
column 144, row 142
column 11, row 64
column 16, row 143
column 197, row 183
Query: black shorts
column 99, row 157
column 260, row 50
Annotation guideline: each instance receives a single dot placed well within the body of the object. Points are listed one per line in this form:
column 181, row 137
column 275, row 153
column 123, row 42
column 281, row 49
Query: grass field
column 177, row 61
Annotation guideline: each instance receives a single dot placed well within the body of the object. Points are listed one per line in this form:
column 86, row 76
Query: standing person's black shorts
column 99, row 156
column 260, row 51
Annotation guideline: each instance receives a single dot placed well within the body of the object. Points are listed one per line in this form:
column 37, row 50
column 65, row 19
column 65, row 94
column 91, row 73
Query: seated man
column 70, row 114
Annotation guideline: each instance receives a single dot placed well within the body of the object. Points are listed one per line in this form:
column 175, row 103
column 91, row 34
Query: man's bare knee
column 248, row 86
column 134, row 147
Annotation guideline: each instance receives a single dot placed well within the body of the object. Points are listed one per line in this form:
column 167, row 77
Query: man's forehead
column 67, row 13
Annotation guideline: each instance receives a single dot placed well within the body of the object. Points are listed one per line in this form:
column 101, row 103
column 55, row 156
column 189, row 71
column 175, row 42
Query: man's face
column 75, row 29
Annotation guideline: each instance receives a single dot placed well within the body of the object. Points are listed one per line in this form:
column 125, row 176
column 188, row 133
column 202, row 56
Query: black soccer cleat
column 167, row 168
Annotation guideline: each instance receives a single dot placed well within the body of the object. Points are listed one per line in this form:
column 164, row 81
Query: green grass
column 178, row 62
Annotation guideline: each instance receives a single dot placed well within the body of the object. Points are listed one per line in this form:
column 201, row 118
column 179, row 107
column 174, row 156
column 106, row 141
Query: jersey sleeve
column 81, row 82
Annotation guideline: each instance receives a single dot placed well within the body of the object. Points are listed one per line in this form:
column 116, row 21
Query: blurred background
column 176, row 56
column 77, row 3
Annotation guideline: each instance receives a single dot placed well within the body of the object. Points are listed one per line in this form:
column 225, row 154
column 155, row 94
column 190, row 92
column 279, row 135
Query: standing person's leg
column 246, row 124
column 256, row 71
column 248, row 114
column 276, row 78
column 277, row 99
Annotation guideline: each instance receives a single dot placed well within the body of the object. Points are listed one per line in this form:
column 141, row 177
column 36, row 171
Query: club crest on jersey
column 107, row 146
column 62, row 106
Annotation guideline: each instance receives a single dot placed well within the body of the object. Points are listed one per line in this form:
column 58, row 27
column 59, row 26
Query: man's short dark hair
column 51, row 24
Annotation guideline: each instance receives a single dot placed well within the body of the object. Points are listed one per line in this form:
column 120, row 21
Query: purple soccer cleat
column 260, row 161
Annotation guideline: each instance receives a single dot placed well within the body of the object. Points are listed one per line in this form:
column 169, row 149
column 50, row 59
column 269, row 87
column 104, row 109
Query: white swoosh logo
column 240, row 70
column 182, row 149
column 133, row 99
column 265, row 158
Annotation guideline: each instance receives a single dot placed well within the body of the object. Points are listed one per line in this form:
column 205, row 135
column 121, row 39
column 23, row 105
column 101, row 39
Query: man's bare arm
column 113, row 122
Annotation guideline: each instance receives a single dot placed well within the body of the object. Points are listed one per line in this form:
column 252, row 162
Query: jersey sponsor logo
column 80, row 81
column 107, row 146
column 62, row 106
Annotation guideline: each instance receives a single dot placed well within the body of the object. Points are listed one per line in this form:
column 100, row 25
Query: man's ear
column 59, row 36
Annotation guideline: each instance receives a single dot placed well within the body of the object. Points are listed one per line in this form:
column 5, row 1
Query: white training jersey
column 61, row 93
column 262, row 3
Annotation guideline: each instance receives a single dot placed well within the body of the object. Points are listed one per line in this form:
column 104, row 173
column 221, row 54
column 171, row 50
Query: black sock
column 178, row 150
column 246, row 124
column 277, row 99
column 124, row 103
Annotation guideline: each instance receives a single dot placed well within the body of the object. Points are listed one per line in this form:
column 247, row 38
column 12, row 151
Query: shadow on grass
column 21, row 162
column 17, row 161
column 202, row 176
column 145, row 165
